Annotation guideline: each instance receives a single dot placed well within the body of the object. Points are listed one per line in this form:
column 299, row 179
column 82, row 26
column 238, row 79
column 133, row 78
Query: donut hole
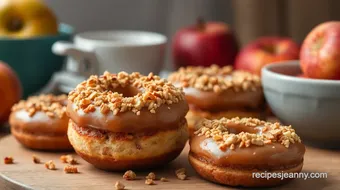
column 128, row 91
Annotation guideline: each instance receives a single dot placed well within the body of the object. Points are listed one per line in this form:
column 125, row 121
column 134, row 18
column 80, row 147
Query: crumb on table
column 8, row 160
column 50, row 165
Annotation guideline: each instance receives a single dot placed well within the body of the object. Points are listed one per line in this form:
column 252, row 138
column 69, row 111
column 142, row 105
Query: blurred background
column 249, row 19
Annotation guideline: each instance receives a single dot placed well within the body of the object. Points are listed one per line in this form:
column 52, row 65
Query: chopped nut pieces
column 36, row 160
column 163, row 179
column 50, row 165
column 68, row 159
column 70, row 169
column 119, row 186
column 216, row 79
column 149, row 182
column 52, row 106
column 151, row 175
column 98, row 92
column 129, row 175
column 8, row 160
column 181, row 173
column 270, row 133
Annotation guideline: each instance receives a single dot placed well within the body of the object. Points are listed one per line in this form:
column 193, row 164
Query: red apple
column 10, row 91
column 204, row 44
column 266, row 50
column 320, row 52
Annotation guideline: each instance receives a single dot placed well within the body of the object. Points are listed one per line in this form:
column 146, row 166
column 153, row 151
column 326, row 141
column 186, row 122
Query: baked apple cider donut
column 127, row 121
column 215, row 92
column 231, row 151
column 40, row 122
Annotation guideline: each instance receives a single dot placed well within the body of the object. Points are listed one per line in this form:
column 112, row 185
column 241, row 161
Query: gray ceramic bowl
column 311, row 106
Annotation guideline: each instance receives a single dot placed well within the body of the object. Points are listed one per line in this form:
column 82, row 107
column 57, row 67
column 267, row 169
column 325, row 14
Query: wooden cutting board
column 24, row 174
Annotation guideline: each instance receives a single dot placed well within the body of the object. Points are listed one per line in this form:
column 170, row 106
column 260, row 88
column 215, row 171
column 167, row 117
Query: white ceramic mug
column 114, row 51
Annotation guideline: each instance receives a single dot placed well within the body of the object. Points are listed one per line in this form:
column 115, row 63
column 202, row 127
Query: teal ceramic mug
column 32, row 58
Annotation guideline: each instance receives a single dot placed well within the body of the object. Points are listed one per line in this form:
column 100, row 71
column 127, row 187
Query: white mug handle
column 85, row 61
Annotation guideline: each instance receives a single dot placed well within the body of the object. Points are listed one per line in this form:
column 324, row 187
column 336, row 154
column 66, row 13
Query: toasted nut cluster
column 99, row 92
column 181, row 174
column 35, row 159
column 129, row 175
column 52, row 106
column 50, row 165
column 8, row 160
column 151, row 175
column 271, row 133
column 70, row 169
column 149, row 182
column 119, row 186
column 216, row 79
column 68, row 159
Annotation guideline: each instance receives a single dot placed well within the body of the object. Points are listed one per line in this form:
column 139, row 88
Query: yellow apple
column 26, row 18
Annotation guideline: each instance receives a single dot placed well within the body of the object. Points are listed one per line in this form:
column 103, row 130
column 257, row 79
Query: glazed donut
column 229, row 151
column 40, row 122
column 127, row 121
column 215, row 92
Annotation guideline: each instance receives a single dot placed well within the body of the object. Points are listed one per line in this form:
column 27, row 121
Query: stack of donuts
column 130, row 121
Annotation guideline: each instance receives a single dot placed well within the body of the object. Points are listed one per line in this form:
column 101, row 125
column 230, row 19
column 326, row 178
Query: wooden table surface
column 24, row 174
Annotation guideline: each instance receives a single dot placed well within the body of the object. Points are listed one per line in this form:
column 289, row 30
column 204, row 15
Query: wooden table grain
column 24, row 174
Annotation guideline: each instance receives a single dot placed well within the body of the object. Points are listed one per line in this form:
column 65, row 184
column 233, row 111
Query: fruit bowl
column 311, row 106
column 32, row 58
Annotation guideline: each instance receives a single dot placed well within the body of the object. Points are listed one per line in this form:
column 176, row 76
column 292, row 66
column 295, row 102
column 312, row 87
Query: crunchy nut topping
column 149, row 182
column 8, row 160
column 267, row 133
column 68, row 159
column 70, row 169
column 52, row 106
column 50, row 165
column 36, row 160
column 129, row 175
column 151, row 175
column 216, row 79
column 181, row 174
column 99, row 92
column 119, row 186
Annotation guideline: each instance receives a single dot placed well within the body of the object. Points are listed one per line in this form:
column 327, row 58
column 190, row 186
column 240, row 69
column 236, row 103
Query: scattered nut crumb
column 70, row 169
column 50, row 165
column 181, row 174
column 151, row 175
column 68, row 159
column 119, row 186
column 163, row 179
column 8, row 160
column 36, row 160
column 149, row 182
column 129, row 175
